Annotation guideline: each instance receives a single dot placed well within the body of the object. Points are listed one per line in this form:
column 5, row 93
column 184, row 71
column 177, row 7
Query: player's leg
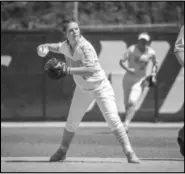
column 180, row 140
column 79, row 105
column 135, row 94
column 127, row 85
column 106, row 101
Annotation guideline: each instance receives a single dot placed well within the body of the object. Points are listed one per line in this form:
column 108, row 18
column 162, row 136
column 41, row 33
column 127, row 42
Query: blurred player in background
column 179, row 53
column 91, row 83
column 135, row 61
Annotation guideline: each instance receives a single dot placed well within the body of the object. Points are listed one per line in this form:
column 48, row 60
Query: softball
column 42, row 50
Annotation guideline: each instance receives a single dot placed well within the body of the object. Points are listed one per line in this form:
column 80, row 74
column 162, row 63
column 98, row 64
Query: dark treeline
column 39, row 15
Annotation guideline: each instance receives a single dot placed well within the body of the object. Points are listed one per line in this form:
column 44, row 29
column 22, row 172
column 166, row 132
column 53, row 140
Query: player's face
column 142, row 44
column 73, row 32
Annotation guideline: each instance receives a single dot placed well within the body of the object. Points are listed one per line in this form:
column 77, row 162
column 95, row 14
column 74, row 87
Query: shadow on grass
column 66, row 161
column 91, row 161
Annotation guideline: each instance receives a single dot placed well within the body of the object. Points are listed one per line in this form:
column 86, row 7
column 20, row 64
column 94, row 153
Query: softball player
column 91, row 83
column 135, row 62
column 179, row 52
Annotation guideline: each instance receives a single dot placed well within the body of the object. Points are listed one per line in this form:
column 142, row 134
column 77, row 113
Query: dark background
column 28, row 94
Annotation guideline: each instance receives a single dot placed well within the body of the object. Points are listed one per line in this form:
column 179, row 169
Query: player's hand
column 153, row 79
column 42, row 50
column 150, row 81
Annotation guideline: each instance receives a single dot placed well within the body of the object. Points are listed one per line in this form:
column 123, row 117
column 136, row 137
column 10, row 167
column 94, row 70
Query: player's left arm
column 152, row 80
column 154, row 65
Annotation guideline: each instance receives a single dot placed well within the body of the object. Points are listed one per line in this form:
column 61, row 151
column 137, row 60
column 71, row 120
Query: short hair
column 66, row 22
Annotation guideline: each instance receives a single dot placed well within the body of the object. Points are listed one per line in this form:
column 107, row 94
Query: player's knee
column 135, row 95
column 71, row 127
column 131, row 104
column 113, row 121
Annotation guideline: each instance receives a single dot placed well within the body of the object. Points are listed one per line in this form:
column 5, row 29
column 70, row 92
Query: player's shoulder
column 131, row 48
column 63, row 44
column 84, row 43
column 151, row 50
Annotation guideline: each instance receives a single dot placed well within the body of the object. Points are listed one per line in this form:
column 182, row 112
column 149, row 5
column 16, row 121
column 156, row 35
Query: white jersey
column 179, row 44
column 84, row 55
column 138, row 60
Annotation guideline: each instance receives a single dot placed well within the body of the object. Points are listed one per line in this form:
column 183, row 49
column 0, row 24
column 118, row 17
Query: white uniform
column 132, row 83
column 89, row 88
column 179, row 47
column 179, row 44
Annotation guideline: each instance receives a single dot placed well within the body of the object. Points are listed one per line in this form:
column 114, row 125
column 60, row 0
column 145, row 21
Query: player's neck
column 141, row 49
column 72, row 47
column 73, row 44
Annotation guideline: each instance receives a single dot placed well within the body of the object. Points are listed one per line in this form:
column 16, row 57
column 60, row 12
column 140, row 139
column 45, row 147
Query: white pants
column 104, row 96
column 132, row 89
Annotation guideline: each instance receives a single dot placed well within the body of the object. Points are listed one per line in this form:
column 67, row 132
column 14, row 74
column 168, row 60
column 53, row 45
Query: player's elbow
column 122, row 63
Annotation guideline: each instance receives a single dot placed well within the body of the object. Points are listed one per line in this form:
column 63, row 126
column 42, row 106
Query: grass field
column 94, row 149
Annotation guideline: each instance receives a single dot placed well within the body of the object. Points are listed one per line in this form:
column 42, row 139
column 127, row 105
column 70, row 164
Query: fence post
column 156, row 103
column 75, row 10
column 44, row 87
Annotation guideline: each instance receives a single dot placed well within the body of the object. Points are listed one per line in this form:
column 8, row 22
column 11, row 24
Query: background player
column 135, row 61
column 92, row 83
column 179, row 52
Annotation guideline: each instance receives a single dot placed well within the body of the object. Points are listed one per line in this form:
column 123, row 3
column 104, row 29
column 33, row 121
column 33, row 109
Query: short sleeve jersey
column 138, row 60
column 179, row 44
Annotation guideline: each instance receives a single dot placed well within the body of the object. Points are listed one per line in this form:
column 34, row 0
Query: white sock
column 123, row 139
